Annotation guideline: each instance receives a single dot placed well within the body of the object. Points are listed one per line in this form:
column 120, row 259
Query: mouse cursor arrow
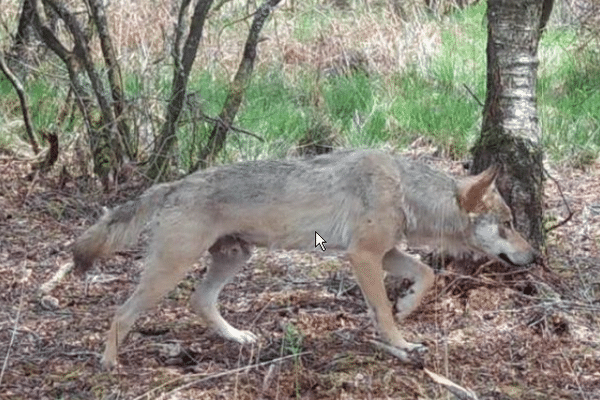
column 319, row 241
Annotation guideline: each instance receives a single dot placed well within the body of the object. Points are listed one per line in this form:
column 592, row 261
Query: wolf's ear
column 472, row 189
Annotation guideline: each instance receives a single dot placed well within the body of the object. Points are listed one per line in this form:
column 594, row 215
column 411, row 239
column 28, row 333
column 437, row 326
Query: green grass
column 44, row 100
column 570, row 110
column 43, row 97
column 293, row 343
column 273, row 109
column 431, row 109
column 357, row 105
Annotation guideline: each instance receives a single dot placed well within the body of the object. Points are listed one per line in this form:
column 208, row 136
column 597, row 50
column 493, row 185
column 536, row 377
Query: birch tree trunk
column 510, row 133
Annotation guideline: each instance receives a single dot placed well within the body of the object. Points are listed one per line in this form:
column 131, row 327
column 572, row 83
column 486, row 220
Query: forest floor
column 504, row 334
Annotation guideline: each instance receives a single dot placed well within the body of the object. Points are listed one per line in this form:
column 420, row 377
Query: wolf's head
column 491, row 220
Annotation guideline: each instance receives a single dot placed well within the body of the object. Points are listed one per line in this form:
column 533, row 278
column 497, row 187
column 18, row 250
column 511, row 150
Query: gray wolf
column 363, row 202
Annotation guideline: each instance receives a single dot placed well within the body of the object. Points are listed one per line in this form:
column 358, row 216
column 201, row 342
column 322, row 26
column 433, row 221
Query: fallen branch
column 48, row 286
column 400, row 354
column 459, row 391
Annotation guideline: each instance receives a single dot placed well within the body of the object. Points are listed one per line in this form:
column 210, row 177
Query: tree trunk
column 216, row 140
column 25, row 27
column 183, row 65
column 100, row 120
column 510, row 133
column 115, row 80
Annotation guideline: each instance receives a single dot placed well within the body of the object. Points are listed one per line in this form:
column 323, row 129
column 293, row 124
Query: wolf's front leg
column 403, row 266
column 369, row 273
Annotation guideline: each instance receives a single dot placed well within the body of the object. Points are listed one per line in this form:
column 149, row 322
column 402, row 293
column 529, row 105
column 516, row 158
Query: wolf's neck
column 432, row 213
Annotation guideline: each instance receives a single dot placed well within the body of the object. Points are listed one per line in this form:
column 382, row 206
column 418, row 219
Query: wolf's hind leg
column 229, row 255
column 403, row 266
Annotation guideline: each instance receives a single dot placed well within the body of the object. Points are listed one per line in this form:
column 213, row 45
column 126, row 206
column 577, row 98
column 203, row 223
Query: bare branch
column 23, row 100
column 569, row 211
column 114, row 74
column 165, row 141
column 217, row 138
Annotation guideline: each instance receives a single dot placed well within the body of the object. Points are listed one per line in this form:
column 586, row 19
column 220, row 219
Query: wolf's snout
column 521, row 258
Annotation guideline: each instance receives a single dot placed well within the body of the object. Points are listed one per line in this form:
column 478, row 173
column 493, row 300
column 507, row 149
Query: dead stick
column 48, row 286
column 459, row 391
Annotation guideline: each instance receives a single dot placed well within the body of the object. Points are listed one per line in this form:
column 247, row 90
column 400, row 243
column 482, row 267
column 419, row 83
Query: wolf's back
column 118, row 228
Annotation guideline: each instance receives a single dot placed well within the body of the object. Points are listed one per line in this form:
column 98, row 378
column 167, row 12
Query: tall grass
column 570, row 100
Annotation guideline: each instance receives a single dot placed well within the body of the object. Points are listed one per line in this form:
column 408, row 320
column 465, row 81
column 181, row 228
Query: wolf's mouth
column 505, row 258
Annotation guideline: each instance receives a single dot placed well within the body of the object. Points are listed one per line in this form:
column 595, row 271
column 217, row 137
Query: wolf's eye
column 507, row 224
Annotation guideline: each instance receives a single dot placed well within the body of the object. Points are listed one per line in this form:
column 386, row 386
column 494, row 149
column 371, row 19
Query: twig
column 23, row 100
column 564, row 221
column 260, row 313
column 218, row 375
column 267, row 381
column 473, row 94
column 231, row 127
column 583, row 395
column 394, row 351
column 459, row 391
column 12, row 337
column 49, row 285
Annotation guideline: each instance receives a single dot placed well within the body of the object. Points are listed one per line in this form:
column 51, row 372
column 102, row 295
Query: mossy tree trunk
column 105, row 142
column 510, row 133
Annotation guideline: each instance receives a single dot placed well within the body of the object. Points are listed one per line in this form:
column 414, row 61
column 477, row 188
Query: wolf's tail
column 118, row 228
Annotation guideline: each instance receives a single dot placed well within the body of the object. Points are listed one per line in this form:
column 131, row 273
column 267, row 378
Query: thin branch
column 460, row 392
column 12, row 337
column 473, row 94
column 183, row 66
column 115, row 79
column 237, row 89
column 180, row 30
column 571, row 213
column 400, row 354
column 23, row 100
column 233, row 128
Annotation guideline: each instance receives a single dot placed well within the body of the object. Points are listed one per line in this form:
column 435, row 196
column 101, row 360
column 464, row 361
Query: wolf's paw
column 242, row 337
column 418, row 348
column 108, row 363
column 410, row 353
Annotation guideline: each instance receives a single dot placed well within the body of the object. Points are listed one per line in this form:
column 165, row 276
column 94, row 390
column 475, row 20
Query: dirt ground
column 527, row 334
